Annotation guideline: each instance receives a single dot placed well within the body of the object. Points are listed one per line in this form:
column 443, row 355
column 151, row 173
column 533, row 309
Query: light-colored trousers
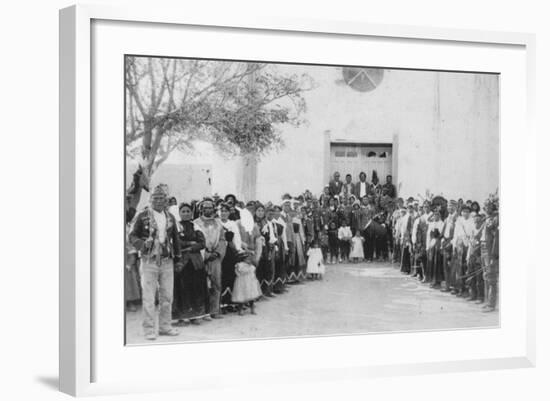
column 155, row 277
column 214, row 270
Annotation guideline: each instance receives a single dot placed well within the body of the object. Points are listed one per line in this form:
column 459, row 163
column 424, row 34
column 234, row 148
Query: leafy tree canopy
column 237, row 106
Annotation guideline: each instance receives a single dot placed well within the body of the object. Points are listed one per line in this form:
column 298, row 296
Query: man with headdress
column 155, row 236
column 490, row 253
column 215, row 247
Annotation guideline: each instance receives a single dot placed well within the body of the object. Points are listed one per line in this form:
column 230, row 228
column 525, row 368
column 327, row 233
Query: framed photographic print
column 319, row 195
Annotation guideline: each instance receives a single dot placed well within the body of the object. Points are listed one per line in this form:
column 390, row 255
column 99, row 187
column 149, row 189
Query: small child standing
column 357, row 253
column 333, row 242
column 315, row 265
column 323, row 240
column 246, row 288
column 344, row 238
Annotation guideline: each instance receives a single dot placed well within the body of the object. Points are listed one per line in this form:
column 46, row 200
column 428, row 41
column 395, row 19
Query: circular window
column 363, row 79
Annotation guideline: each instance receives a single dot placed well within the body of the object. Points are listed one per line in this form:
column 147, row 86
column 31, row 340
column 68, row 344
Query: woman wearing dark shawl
column 190, row 288
column 265, row 272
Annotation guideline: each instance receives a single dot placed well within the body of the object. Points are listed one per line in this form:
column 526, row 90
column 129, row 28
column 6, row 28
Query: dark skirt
column 190, row 293
column 280, row 273
column 434, row 271
column 132, row 284
column 438, row 273
column 265, row 270
column 228, row 274
column 405, row 259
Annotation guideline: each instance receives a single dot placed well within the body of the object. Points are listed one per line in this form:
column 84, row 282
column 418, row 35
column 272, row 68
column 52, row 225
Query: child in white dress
column 344, row 237
column 246, row 288
column 357, row 253
column 315, row 265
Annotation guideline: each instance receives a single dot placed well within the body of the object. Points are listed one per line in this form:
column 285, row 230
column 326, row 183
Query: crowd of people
column 200, row 260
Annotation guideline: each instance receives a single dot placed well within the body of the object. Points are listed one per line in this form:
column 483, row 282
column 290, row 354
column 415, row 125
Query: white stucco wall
column 446, row 125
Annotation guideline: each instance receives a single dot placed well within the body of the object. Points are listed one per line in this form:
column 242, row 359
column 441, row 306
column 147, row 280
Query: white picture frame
column 79, row 344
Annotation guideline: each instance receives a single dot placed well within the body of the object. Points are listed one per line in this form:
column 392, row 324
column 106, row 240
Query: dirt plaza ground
column 352, row 298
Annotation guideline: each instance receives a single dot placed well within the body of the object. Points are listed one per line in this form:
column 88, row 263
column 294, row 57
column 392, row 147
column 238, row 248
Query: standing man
column 389, row 187
column 461, row 235
column 447, row 247
column 405, row 228
column 361, row 187
column 155, row 235
column 418, row 267
column 335, row 185
column 369, row 232
column 215, row 246
column 475, row 276
column 433, row 249
column 396, row 218
column 348, row 188
column 490, row 253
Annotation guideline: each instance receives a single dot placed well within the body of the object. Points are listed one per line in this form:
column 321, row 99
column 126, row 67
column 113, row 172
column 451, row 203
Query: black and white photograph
column 268, row 200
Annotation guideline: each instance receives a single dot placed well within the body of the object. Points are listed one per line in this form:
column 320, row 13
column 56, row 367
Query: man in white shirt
column 463, row 229
column 361, row 187
column 417, row 269
column 396, row 216
column 156, row 237
column 215, row 248
column 447, row 247
column 405, row 228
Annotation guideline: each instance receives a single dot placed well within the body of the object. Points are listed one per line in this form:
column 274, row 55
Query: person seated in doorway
column 361, row 187
column 389, row 187
column 335, row 185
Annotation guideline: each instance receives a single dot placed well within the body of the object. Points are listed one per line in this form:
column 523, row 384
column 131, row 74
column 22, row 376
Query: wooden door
column 356, row 158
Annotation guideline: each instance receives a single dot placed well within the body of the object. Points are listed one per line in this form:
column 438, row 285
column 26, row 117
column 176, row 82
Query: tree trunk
column 247, row 175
